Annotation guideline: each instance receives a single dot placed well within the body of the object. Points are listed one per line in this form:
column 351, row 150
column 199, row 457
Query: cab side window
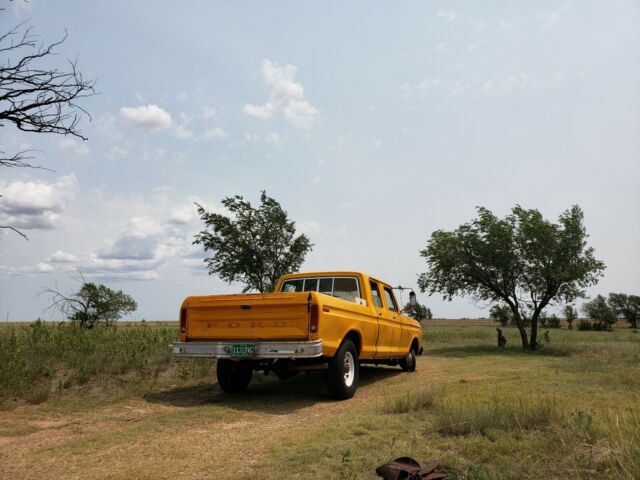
column 391, row 300
column 292, row 285
column 375, row 294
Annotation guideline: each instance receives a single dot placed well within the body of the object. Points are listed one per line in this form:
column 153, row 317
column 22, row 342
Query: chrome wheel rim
column 349, row 369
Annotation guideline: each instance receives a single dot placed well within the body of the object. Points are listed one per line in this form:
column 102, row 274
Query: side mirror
column 413, row 301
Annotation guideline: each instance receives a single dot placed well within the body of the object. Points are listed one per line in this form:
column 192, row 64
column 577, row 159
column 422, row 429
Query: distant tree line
column 601, row 313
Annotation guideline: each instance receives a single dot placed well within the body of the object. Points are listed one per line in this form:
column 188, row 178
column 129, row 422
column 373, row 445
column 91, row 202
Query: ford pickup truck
column 325, row 321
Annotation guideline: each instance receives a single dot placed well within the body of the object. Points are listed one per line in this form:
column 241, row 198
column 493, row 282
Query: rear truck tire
column 233, row 377
column 344, row 370
column 408, row 363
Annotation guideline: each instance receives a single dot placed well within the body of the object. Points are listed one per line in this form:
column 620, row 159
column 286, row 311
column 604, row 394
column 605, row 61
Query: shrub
column 584, row 325
column 553, row 321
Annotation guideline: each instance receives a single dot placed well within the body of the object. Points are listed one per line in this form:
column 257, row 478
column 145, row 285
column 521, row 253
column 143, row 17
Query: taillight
column 183, row 320
column 313, row 319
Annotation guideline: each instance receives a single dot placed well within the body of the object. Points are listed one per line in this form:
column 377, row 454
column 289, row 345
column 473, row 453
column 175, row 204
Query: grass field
column 114, row 404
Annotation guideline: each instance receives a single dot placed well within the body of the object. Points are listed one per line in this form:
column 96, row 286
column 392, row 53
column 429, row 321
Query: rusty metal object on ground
column 407, row 468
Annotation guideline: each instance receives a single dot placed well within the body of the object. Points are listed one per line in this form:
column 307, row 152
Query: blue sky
column 372, row 123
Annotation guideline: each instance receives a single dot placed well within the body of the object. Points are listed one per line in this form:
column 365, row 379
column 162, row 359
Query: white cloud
column 316, row 180
column 286, row 98
column 183, row 215
column 60, row 256
column 447, row 15
column 38, row 268
column 250, row 137
column 181, row 96
column 345, row 205
column 215, row 134
column 35, row 205
column 441, row 46
column 149, row 117
column 138, row 241
column 74, row 146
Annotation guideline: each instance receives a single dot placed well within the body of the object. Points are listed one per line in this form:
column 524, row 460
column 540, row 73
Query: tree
column 254, row 246
column 502, row 313
column 418, row 312
column 36, row 97
column 522, row 260
column 626, row 307
column 598, row 310
column 570, row 315
column 93, row 304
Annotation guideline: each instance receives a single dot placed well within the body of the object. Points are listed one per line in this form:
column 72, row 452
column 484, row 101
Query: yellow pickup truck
column 329, row 321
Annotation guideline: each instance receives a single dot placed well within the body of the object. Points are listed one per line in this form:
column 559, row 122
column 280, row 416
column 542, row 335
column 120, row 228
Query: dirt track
column 196, row 432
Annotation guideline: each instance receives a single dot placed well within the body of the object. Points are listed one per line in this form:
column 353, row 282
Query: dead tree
column 35, row 97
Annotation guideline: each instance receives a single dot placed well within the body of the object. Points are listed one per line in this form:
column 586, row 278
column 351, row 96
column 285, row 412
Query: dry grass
column 569, row 411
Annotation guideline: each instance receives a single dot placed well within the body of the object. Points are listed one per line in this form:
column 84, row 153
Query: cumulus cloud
column 286, row 97
column 60, row 256
column 149, row 117
column 215, row 134
column 35, row 205
column 38, row 268
column 138, row 241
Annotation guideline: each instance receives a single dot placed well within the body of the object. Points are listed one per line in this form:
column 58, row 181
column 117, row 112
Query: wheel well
column 415, row 345
column 354, row 336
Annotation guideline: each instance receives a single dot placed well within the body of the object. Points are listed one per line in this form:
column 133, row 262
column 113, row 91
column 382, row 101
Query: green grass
column 568, row 411
column 42, row 359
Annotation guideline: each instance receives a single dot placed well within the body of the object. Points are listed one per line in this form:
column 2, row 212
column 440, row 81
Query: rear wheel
column 408, row 363
column 233, row 377
column 344, row 370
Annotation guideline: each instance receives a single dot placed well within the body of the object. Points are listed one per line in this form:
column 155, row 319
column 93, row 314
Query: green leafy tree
column 599, row 310
column 522, row 260
column 502, row 313
column 626, row 307
column 418, row 312
column 570, row 315
column 93, row 304
column 251, row 245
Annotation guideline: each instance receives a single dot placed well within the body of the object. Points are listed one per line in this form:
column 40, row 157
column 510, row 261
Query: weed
column 472, row 415
column 411, row 401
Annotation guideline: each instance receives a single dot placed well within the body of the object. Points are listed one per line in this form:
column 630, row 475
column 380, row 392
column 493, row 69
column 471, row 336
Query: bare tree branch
column 35, row 97
column 15, row 230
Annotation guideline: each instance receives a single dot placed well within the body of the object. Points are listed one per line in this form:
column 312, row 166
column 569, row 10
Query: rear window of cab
column 346, row 288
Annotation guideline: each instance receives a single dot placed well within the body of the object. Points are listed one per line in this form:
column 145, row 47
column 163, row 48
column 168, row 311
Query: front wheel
column 408, row 363
column 233, row 377
column 344, row 369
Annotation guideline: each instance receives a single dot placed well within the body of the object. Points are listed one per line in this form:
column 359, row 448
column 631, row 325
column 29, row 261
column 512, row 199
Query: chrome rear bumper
column 262, row 349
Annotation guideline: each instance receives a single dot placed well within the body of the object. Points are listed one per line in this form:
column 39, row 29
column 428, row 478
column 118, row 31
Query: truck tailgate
column 280, row 316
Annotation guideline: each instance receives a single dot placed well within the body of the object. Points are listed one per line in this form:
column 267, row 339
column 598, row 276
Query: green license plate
column 243, row 350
